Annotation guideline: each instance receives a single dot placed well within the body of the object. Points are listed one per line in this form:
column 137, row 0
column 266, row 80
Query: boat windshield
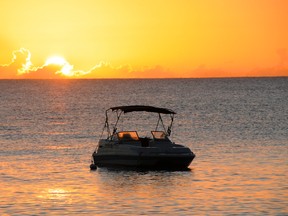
column 159, row 135
column 128, row 136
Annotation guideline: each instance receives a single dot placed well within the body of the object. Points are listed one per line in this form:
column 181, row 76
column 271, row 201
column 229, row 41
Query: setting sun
column 57, row 60
column 66, row 68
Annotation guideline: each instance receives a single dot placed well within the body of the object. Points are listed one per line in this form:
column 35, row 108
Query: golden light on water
column 55, row 193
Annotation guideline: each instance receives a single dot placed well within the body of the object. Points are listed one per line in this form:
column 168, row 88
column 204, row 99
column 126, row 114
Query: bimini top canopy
column 141, row 108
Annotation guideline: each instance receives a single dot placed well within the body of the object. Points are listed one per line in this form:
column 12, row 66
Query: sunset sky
column 143, row 39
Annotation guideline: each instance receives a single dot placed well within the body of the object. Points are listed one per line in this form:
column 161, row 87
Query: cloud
column 20, row 64
column 21, row 67
column 44, row 72
column 106, row 70
column 22, row 58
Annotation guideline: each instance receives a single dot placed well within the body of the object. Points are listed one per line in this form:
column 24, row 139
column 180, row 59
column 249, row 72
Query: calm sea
column 238, row 129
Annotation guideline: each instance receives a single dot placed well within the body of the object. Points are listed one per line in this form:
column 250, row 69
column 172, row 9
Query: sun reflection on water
column 55, row 194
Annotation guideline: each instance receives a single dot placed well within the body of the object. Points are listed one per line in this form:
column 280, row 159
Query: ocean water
column 238, row 129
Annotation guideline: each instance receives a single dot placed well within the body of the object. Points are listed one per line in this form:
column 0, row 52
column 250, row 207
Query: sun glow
column 194, row 39
column 66, row 68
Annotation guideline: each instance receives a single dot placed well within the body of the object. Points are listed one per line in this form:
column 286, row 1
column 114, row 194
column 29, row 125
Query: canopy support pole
column 115, row 125
column 170, row 126
column 160, row 120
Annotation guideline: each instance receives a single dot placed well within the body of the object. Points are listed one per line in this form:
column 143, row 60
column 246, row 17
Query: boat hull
column 165, row 162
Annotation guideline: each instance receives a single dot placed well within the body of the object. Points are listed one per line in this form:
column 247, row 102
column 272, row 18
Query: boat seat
column 127, row 136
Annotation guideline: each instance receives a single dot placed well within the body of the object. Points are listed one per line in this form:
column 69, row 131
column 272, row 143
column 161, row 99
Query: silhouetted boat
column 127, row 149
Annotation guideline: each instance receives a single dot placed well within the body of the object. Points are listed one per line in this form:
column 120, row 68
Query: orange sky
column 143, row 39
